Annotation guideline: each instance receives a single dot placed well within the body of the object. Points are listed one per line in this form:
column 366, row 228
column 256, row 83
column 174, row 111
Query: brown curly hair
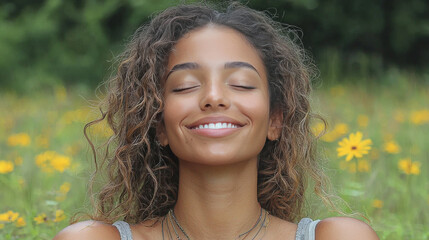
column 143, row 175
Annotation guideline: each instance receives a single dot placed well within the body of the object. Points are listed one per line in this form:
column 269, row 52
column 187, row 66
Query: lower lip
column 215, row 132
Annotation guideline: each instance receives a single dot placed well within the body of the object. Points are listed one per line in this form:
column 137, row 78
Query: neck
column 217, row 202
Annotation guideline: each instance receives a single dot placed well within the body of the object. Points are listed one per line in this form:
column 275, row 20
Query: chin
column 217, row 160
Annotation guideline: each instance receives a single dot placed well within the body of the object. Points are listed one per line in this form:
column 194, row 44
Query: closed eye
column 243, row 87
column 184, row 89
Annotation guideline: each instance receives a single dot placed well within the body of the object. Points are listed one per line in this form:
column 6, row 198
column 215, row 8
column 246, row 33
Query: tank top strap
column 124, row 230
column 306, row 229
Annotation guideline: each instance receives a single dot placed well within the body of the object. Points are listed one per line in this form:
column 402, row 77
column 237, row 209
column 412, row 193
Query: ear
column 275, row 125
column 161, row 134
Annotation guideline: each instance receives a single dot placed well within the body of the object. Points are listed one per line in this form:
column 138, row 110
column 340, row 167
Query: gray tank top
column 306, row 229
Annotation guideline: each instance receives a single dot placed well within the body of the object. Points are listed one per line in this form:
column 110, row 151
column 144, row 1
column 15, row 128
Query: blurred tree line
column 49, row 42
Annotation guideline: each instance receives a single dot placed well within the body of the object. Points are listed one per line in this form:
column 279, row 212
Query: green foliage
column 65, row 42
column 51, row 42
column 54, row 119
column 392, row 115
column 392, row 32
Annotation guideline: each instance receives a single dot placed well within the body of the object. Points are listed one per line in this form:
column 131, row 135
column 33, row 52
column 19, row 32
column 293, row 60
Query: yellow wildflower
column 13, row 216
column 43, row 159
column 9, row 216
column 20, row 139
column 363, row 165
column 341, row 128
column 392, row 147
column 420, row 117
column 1, row 225
column 20, row 222
column 377, row 203
column 354, row 146
column 4, row 217
column 6, row 166
column 65, row 188
column 51, row 160
column 338, row 131
column 41, row 218
column 363, row 120
column 59, row 215
column 318, row 128
column 409, row 167
column 60, row 163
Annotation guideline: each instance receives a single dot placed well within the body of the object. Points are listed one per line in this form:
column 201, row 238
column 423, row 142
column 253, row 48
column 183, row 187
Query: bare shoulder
column 281, row 229
column 88, row 230
column 344, row 228
column 149, row 229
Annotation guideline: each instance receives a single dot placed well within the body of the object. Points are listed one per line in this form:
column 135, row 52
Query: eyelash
column 189, row 88
column 183, row 89
column 244, row 87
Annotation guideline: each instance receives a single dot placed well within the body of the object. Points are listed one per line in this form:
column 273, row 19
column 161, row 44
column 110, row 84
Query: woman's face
column 216, row 98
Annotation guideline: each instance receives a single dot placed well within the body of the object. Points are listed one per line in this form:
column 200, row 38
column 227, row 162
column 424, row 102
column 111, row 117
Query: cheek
column 174, row 112
column 257, row 109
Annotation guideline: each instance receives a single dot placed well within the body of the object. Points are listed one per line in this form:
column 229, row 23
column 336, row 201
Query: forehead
column 213, row 46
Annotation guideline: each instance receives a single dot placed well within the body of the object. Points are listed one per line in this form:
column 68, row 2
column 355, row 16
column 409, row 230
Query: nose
column 215, row 97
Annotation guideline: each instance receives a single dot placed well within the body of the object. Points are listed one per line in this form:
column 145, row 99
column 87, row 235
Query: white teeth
column 216, row 126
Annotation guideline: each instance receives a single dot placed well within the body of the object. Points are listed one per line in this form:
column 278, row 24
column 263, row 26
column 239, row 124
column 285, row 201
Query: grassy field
column 45, row 161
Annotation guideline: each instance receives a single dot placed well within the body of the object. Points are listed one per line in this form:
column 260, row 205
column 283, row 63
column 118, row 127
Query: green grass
column 389, row 109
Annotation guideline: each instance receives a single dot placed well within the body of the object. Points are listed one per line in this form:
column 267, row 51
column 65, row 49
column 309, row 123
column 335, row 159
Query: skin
column 217, row 174
column 218, row 169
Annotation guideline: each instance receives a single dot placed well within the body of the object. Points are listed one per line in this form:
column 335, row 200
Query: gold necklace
column 170, row 219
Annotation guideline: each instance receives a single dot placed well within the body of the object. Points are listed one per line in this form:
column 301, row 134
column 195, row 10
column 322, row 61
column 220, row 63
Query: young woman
column 212, row 137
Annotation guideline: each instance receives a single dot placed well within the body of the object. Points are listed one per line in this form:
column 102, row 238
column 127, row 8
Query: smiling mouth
column 218, row 125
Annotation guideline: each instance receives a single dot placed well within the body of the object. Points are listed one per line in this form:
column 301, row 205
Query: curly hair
column 143, row 175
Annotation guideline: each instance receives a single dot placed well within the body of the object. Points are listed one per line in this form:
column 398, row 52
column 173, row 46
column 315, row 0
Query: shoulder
column 344, row 228
column 88, row 230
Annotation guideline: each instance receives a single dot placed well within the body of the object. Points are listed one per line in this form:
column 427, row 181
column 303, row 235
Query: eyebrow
column 192, row 65
column 183, row 66
column 240, row 65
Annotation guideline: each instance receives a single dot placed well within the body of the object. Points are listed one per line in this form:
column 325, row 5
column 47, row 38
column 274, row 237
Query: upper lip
column 215, row 119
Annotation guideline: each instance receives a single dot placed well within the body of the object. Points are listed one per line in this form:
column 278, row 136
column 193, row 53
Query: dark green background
column 51, row 42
